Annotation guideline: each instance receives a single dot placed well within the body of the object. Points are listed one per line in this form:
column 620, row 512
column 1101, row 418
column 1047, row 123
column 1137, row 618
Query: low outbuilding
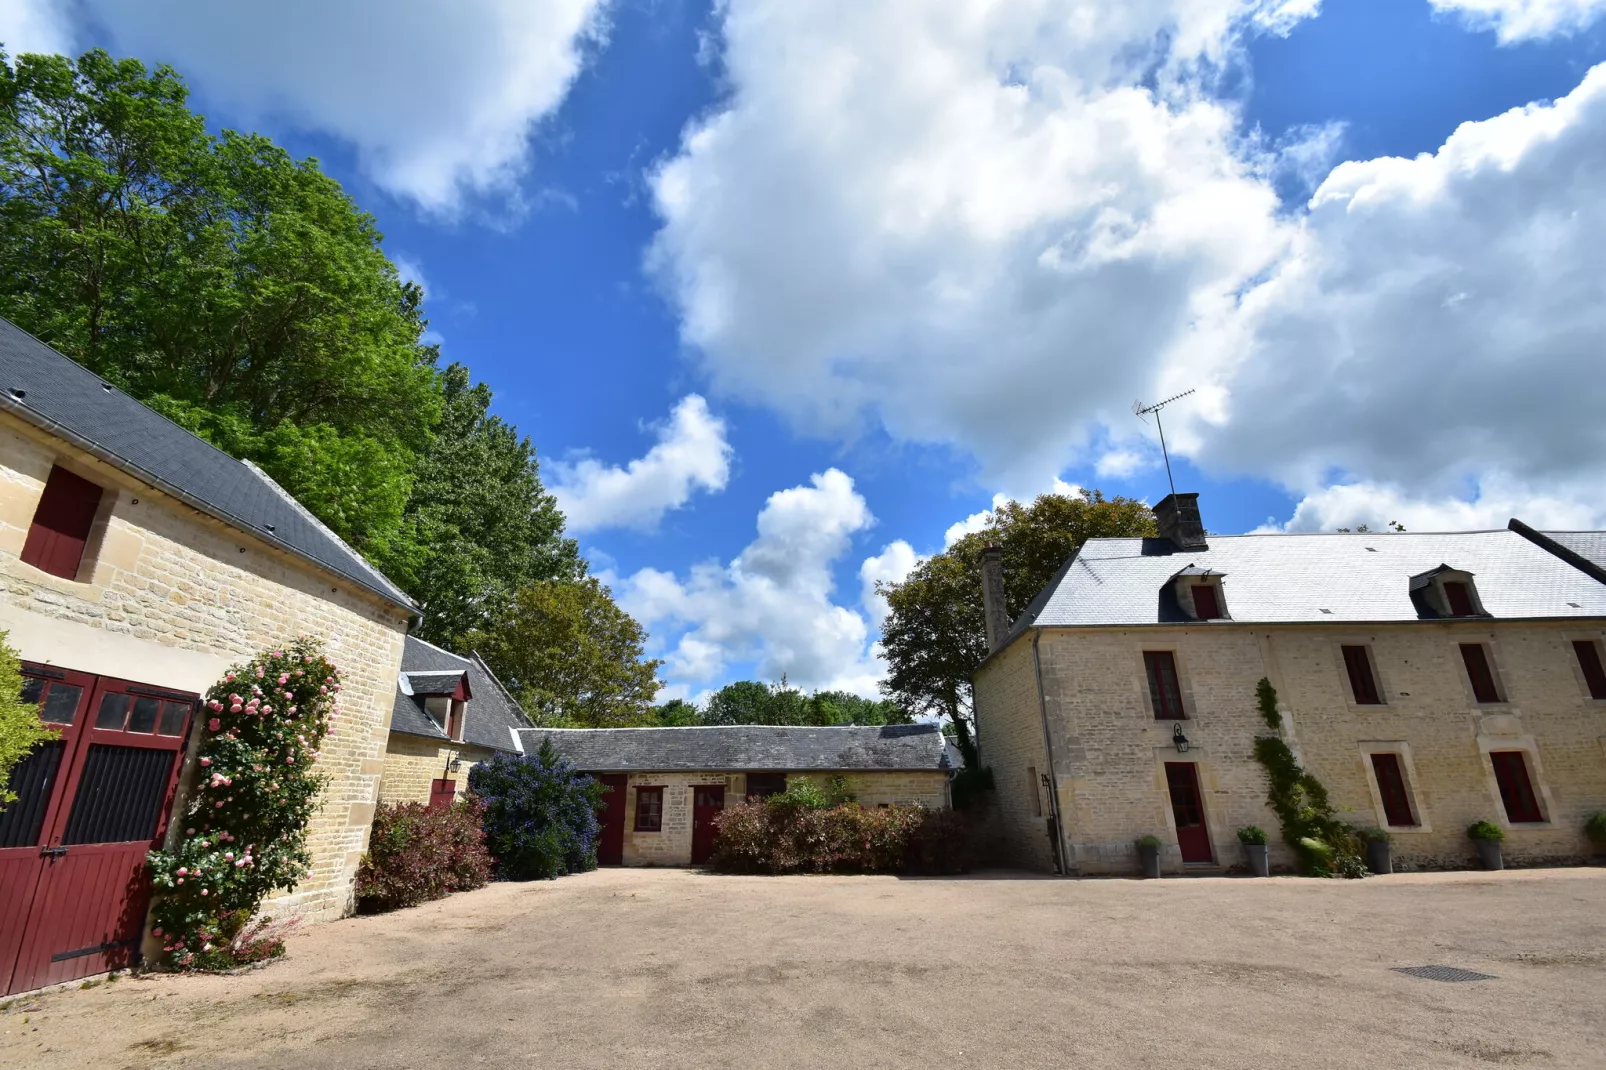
column 666, row 785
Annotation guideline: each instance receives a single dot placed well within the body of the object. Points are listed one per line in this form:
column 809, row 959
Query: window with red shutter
column 1164, row 689
column 1460, row 599
column 1206, row 606
column 1588, row 653
column 1516, row 790
column 1391, row 786
column 1363, row 685
column 442, row 793
column 61, row 524
column 1476, row 659
column 649, row 809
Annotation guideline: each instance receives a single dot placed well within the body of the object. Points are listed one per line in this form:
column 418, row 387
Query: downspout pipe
column 1062, row 859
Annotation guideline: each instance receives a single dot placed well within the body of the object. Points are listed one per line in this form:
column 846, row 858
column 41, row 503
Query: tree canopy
column 571, row 656
column 751, row 702
column 934, row 636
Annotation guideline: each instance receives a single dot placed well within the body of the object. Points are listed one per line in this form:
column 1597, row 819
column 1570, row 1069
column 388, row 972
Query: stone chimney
column 1177, row 517
column 993, row 604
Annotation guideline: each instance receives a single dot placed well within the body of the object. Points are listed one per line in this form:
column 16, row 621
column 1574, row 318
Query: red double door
column 90, row 804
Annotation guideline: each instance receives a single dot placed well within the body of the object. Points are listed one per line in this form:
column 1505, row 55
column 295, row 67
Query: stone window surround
column 1569, row 638
column 1190, row 708
column 1402, row 750
column 1536, row 775
column 1491, row 651
column 109, row 495
column 1379, row 676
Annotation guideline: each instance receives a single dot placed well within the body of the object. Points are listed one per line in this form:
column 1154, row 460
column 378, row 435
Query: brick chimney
column 992, row 597
column 1177, row 517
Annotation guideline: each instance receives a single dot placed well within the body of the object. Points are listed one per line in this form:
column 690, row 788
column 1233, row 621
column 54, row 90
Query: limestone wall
column 168, row 596
column 412, row 762
column 1009, row 736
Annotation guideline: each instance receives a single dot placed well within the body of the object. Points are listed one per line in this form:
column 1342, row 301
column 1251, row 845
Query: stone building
column 1427, row 680
column 451, row 713
column 667, row 784
column 137, row 563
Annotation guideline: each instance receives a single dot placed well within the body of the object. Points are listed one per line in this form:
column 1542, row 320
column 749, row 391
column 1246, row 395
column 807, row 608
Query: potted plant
column 1255, row 850
column 1149, row 855
column 1487, row 836
column 1595, row 829
column 1378, row 858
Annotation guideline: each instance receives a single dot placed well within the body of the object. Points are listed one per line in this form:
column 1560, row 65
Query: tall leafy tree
column 237, row 290
column 751, row 702
column 479, row 523
column 571, row 656
column 935, row 637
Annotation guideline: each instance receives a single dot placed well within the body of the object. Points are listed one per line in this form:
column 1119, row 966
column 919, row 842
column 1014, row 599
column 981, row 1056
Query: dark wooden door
column 611, row 847
column 442, row 793
column 102, row 802
column 1187, row 806
column 706, row 803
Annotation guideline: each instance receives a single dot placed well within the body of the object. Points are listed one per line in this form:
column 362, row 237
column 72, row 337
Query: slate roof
column 1583, row 550
column 492, row 715
column 67, row 400
column 436, row 683
column 1327, row 579
column 1590, row 545
column 747, row 748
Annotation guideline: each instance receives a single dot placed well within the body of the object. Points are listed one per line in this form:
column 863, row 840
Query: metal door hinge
column 53, row 852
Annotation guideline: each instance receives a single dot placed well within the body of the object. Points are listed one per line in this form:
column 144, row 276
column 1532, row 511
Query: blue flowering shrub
column 541, row 817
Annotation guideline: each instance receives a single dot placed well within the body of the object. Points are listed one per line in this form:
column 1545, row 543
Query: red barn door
column 611, row 845
column 707, row 802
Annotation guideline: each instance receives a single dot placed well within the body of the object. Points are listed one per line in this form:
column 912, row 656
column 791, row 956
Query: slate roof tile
column 492, row 714
column 747, row 748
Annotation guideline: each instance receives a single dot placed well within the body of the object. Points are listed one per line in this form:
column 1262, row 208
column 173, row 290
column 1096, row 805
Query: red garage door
column 73, row 887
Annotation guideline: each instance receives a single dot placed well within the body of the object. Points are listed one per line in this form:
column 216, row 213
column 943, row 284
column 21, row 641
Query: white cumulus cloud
column 439, row 100
column 773, row 604
column 1524, row 20
column 34, row 26
column 892, row 565
column 691, row 454
column 1353, row 504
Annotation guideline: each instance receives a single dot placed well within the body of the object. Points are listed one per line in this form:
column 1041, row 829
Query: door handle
column 52, row 852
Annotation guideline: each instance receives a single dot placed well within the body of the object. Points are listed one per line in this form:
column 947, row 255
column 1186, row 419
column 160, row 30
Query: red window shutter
column 1460, row 599
column 1589, row 661
column 1479, row 672
column 1516, row 790
column 1206, row 606
column 1164, row 690
column 61, row 524
column 1391, row 785
column 1361, row 681
column 442, row 793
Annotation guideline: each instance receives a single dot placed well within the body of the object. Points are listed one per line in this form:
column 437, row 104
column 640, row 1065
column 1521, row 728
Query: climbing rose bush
column 243, row 831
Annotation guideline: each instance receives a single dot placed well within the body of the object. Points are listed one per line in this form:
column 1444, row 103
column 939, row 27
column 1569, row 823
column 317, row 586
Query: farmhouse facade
column 666, row 785
column 1427, row 680
column 137, row 563
column 450, row 713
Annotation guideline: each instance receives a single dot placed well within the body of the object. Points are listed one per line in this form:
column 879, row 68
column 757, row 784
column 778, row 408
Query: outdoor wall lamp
column 1179, row 739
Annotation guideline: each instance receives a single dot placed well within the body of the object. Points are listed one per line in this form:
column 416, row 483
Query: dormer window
column 445, row 697
column 1199, row 594
column 1446, row 592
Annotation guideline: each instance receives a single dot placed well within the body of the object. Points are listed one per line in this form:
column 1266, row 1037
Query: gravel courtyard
column 633, row 968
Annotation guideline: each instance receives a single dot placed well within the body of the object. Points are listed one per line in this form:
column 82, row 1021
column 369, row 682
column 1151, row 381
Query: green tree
column 750, row 702
column 934, row 636
column 235, row 289
column 479, row 523
column 677, row 713
column 741, row 702
column 571, row 656
column 20, row 728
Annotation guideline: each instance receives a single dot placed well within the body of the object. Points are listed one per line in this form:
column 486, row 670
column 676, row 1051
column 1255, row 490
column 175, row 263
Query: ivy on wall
column 1324, row 845
column 244, row 827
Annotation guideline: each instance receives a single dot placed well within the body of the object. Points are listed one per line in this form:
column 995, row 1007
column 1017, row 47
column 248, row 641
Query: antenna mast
column 1141, row 410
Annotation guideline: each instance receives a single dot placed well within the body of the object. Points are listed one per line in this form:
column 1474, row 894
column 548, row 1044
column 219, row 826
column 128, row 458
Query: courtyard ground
column 635, row 968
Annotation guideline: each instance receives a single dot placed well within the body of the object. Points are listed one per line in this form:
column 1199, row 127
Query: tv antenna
column 1141, row 410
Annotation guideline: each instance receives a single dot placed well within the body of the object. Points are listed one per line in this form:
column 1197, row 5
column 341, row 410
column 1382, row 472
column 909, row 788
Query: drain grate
column 1444, row 973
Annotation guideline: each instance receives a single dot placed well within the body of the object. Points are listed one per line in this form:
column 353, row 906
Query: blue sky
column 835, row 278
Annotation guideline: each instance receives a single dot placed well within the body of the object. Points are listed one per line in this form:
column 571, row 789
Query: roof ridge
column 432, row 646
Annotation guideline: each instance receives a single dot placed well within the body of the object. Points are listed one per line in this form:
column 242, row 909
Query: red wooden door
column 105, row 805
column 442, row 793
column 1187, row 806
column 611, row 845
column 707, row 801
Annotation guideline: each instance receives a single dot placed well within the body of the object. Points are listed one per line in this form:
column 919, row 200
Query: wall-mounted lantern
column 1180, row 740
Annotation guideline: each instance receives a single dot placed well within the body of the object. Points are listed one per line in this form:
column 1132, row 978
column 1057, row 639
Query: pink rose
column 156, row 931
column 206, row 761
column 189, row 832
column 203, row 892
column 179, row 881
column 182, row 871
column 284, row 678
column 323, row 690
column 219, row 805
column 214, row 724
column 288, row 761
column 229, row 678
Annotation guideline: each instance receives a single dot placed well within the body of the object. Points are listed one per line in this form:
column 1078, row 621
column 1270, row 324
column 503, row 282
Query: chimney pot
column 1177, row 518
column 994, row 607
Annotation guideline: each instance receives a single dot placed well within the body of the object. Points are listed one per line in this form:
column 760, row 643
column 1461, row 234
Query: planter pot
column 1259, row 856
column 1149, row 860
column 1378, row 858
column 1489, row 854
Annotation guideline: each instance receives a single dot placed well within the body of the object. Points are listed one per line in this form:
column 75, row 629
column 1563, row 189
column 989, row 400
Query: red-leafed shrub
column 778, row 836
column 417, row 853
